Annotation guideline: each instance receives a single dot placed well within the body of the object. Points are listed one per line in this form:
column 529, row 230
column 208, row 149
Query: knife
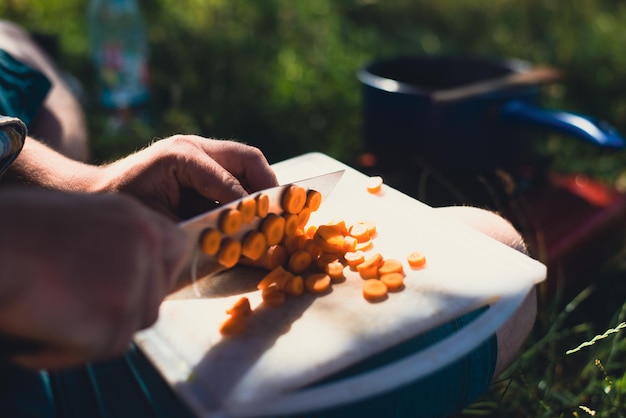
column 200, row 265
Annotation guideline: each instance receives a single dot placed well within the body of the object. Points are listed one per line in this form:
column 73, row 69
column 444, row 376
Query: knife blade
column 200, row 265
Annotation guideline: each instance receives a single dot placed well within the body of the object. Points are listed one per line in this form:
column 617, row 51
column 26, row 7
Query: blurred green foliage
column 280, row 74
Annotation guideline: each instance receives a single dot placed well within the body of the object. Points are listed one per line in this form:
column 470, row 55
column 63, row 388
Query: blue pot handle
column 583, row 127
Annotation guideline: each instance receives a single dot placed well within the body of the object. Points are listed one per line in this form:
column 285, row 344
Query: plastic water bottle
column 119, row 51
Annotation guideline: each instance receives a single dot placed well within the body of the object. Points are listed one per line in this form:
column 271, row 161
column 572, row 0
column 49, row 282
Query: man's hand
column 159, row 175
column 82, row 273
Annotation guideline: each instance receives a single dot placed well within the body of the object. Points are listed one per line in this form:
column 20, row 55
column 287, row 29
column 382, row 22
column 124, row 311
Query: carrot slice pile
column 300, row 257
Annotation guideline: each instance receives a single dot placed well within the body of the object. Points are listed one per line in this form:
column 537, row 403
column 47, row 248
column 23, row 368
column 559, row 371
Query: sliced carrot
column 291, row 224
column 262, row 205
column 253, row 245
column 329, row 238
column 273, row 226
column 299, row 261
column 277, row 277
column 365, row 245
column 374, row 184
column 394, row 281
column 326, row 258
column 371, row 227
column 390, row 265
column 349, row 243
column 275, row 256
column 416, row 259
column 374, row 290
column 230, row 221
column 335, row 270
column 312, row 248
column 360, row 231
column 368, row 269
column 317, row 282
column 293, row 199
column 247, row 207
column 229, row 252
column 233, row 325
column 310, row 231
column 313, row 200
column 210, row 241
column 240, row 308
column 295, row 286
column 273, row 296
column 291, row 243
column 354, row 258
column 303, row 217
column 340, row 224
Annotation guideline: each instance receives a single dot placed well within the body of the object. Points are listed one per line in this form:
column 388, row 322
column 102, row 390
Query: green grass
column 280, row 74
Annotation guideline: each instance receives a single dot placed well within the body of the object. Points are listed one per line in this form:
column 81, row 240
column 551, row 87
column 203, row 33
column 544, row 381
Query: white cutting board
column 265, row 370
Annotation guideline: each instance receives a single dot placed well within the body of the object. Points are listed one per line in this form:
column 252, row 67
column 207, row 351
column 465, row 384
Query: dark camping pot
column 465, row 112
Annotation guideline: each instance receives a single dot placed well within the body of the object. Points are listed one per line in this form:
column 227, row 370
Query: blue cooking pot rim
column 369, row 78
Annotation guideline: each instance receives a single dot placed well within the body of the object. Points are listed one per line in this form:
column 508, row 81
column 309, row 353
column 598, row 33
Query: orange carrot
column 416, row 259
column 354, row 258
column 340, row 224
column 273, row 226
column 229, row 252
column 273, row 296
column 295, row 286
column 360, row 231
column 374, row 184
column 253, row 245
column 247, row 207
column 240, row 308
column 313, row 200
column 374, row 290
column 317, row 282
column 210, row 241
column 277, row 277
column 275, row 256
column 233, row 325
column 312, row 248
column 230, row 221
column 349, row 243
column 303, row 217
column 291, row 224
column 324, row 259
column 262, row 205
column 368, row 269
column 329, row 238
column 394, row 281
column 310, row 231
column 390, row 265
column 299, row 261
column 365, row 245
column 293, row 199
column 335, row 270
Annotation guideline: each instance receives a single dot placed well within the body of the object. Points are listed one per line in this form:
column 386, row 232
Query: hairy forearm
column 40, row 166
